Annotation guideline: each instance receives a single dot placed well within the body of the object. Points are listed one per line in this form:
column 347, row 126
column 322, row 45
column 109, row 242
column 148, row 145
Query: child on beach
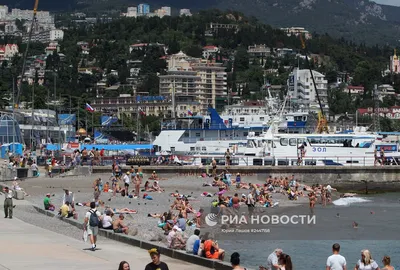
column 106, row 187
column 199, row 218
column 238, row 180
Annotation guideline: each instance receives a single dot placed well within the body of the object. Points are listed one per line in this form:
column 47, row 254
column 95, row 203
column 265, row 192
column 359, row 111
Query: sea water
column 378, row 213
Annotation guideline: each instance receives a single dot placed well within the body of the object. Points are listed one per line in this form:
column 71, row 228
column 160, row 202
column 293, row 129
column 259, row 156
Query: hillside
column 355, row 20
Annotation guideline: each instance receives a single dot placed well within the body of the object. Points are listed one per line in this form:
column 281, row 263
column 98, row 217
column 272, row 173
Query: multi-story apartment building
column 8, row 51
column 259, row 51
column 166, row 10
column 3, row 12
column 185, row 12
column 296, row 31
column 194, row 77
column 210, row 51
column 302, row 91
column 143, row 9
column 133, row 104
column 132, row 12
column 41, row 16
column 45, row 36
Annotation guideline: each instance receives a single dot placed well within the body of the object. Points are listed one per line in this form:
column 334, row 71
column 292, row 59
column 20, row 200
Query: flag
column 141, row 112
column 190, row 113
column 89, row 108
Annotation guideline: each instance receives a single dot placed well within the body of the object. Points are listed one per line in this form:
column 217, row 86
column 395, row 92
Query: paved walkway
column 24, row 246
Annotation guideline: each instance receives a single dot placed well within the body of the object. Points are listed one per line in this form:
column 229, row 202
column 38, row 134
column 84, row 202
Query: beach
column 306, row 254
column 143, row 227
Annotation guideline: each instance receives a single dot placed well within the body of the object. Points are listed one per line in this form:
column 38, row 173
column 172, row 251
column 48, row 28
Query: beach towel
column 221, row 192
column 85, row 236
column 206, row 194
column 161, row 225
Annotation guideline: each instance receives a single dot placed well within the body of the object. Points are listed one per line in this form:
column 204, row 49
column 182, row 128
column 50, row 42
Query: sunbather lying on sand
column 347, row 195
column 87, row 204
column 124, row 211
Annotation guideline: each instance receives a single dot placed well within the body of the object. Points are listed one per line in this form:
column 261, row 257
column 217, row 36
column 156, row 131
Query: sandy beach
column 140, row 224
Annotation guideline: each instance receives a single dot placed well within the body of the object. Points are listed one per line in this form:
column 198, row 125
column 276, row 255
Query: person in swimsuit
column 214, row 168
column 119, row 226
column 386, row 263
column 236, row 201
column 312, row 198
column 137, row 181
column 114, row 183
column 227, row 158
column 323, row 196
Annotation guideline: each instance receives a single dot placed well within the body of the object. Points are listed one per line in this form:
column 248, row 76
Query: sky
column 388, row 2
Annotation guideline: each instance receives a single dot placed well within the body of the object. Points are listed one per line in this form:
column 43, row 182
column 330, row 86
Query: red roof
column 363, row 111
column 139, row 45
column 210, row 47
column 11, row 45
column 356, row 87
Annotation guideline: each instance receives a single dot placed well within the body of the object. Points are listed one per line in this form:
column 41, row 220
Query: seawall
column 360, row 179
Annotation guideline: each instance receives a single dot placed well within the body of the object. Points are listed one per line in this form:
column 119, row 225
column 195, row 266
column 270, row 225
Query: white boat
column 214, row 134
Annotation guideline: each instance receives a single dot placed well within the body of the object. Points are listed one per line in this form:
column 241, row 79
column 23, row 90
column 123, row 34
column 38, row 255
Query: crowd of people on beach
column 181, row 214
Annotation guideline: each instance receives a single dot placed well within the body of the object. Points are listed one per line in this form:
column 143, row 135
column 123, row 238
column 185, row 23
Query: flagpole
column 86, row 126
column 137, row 123
column 79, row 108
column 93, row 125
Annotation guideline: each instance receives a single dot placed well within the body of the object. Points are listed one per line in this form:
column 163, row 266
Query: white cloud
column 389, row 2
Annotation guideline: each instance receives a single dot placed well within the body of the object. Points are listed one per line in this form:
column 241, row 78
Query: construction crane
column 17, row 99
column 322, row 126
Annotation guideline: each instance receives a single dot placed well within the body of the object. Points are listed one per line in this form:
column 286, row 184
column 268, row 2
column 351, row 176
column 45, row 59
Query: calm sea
column 312, row 254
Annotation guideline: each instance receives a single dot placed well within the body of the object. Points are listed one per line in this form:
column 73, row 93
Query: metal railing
column 216, row 139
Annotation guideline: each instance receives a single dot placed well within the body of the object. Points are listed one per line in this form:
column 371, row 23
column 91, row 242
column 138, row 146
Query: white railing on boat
column 355, row 161
column 200, row 139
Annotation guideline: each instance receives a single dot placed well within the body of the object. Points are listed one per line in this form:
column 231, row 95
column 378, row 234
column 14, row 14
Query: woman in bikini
column 312, row 198
column 323, row 196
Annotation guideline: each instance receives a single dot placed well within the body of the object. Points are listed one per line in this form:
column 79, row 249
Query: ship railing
column 391, row 159
column 216, row 139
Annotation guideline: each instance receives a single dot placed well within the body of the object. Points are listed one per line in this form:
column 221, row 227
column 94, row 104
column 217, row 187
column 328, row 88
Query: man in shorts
column 119, row 226
column 90, row 224
column 127, row 181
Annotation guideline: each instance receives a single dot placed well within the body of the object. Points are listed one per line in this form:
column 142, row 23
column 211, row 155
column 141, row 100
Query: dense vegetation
column 109, row 50
column 357, row 20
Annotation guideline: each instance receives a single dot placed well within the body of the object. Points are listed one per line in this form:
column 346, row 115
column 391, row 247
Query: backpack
column 94, row 219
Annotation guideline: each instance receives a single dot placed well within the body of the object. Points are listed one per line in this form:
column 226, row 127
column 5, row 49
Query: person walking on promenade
column 91, row 224
column 336, row 261
column 8, row 203
column 366, row 262
column 156, row 264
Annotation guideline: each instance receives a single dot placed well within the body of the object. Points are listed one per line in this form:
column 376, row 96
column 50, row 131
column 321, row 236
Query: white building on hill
column 302, row 90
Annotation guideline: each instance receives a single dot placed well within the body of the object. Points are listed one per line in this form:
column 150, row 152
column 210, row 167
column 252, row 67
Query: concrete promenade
column 25, row 246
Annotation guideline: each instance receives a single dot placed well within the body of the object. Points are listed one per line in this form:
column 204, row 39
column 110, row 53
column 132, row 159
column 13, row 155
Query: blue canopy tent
column 117, row 147
column 53, row 147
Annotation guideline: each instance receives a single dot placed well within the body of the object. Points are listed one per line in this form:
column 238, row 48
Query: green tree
column 194, row 51
column 339, row 102
column 112, row 80
column 241, row 62
column 174, row 46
